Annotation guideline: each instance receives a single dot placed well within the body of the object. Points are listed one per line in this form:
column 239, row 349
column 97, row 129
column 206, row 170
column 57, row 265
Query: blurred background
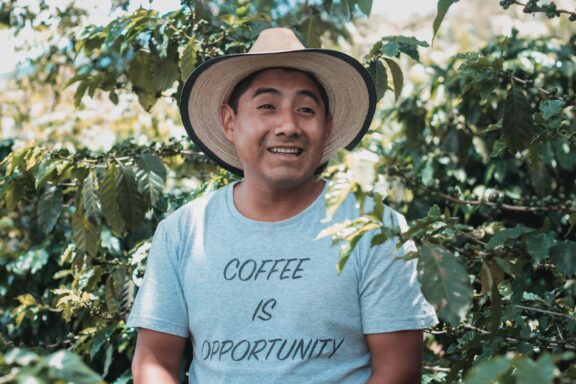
column 473, row 140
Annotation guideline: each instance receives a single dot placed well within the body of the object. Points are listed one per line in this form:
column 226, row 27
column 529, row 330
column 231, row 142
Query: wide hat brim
column 349, row 87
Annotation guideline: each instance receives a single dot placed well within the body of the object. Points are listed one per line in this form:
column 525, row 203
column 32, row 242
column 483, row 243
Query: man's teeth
column 287, row 151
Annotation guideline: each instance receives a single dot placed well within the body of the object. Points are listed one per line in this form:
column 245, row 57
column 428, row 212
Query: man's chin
column 291, row 180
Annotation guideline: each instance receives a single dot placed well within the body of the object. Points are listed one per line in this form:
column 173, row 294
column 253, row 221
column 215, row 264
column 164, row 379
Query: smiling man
column 240, row 271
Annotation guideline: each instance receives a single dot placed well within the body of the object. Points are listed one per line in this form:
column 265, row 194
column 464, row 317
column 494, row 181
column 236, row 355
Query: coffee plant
column 480, row 157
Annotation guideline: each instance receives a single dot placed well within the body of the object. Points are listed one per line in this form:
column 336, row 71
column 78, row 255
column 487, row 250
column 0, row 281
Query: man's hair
column 246, row 82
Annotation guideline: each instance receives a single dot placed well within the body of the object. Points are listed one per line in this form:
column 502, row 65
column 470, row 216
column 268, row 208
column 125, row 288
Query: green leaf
column 447, row 214
column 392, row 46
column 498, row 148
column 486, row 278
column 113, row 96
column 397, row 77
column 345, row 252
column 445, row 283
column 114, row 288
column 110, row 200
column 114, row 30
column 539, row 244
column 151, row 176
column 90, row 199
column 380, row 77
column 311, row 31
column 441, row 10
column 347, row 9
column 541, row 371
column 365, row 6
column 488, row 371
column 76, row 78
column 129, row 200
column 434, row 212
column 11, row 195
column 503, row 235
column 428, row 173
column 508, row 267
column 390, row 49
column 108, row 360
column 517, row 124
column 68, row 366
column 80, row 92
column 45, row 172
column 85, row 234
column 188, row 60
column 563, row 256
column 99, row 340
column 549, row 108
column 378, row 239
column 112, row 295
column 151, row 75
column 147, row 100
column 49, row 208
column 140, row 21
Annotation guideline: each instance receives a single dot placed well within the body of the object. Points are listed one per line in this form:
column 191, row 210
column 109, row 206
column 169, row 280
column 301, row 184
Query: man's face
column 280, row 129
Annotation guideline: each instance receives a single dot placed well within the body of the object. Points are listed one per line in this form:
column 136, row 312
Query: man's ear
column 227, row 118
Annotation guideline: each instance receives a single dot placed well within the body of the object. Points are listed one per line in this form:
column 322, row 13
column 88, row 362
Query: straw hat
column 349, row 87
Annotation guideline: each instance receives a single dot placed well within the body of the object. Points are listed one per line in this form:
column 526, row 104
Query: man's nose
column 287, row 124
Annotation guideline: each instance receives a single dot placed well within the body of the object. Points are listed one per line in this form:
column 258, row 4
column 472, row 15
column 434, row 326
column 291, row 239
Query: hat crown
column 276, row 40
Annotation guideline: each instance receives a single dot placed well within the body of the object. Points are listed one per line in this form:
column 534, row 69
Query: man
column 240, row 270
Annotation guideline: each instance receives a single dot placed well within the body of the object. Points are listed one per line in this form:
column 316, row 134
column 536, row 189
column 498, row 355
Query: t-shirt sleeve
column 390, row 296
column 160, row 304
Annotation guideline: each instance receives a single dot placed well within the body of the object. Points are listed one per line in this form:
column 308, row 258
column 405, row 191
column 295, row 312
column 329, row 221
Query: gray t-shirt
column 262, row 301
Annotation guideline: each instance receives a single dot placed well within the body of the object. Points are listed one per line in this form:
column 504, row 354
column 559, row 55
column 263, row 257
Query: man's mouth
column 290, row 151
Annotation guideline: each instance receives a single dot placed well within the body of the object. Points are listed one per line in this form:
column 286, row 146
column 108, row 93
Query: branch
column 544, row 10
column 508, row 207
column 470, row 237
column 411, row 182
column 436, row 369
column 552, row 313
column 542, row 91
column 517, row 339
column 100, row 161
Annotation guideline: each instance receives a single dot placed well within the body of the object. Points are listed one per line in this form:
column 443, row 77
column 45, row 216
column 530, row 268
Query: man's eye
column 266, row 106
column 306, row 110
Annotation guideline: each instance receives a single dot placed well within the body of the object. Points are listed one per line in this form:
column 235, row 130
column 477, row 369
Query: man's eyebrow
column 310, row 94
column 303, row 92
column 260, row 91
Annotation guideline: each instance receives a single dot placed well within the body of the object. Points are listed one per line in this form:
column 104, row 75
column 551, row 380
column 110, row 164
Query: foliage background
column 477, row 149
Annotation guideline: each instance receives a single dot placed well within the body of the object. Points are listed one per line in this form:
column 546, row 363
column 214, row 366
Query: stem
column 470, row 237
column 541, row 90
column 436, row 369
column 164, row 152
column 516, row 339
column 508, row 207
column 552, row 313
column 541, row 10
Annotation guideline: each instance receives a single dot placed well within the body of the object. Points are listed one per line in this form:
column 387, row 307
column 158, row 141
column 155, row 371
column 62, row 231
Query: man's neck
column 266, row 204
